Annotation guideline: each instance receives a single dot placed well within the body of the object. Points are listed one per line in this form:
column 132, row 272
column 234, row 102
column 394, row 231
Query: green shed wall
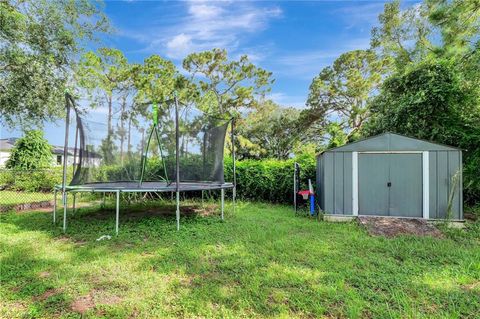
column 334, row 174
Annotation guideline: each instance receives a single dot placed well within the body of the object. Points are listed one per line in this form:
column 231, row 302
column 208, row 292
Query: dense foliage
column 271, row 131
column 39, row 42
column 339, row 95
column 39, row 180
column 32, row 151
column 260, row 180
column 430, row 101
column 269, row 180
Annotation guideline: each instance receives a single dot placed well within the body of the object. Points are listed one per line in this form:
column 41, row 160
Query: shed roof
column 391, row 142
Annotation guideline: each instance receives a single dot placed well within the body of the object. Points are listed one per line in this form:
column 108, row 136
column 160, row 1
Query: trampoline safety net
column 140, row 146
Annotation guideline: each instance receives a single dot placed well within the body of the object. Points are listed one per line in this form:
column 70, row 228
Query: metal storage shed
column 390, row 175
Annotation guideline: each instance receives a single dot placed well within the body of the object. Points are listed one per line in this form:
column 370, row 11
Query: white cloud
column 287, row 100
column 207, row 25
column 307, row 64
column 179, row 45
column 361, row 15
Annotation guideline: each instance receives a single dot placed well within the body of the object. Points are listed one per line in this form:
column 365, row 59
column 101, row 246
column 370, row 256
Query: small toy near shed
column 391, row 175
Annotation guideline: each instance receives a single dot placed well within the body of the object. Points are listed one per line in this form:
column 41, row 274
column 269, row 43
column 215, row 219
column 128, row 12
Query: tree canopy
column 230, row 84
column 39, row 41
column 341, row 92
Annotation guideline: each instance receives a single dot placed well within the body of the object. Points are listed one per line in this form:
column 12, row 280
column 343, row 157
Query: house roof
column 392, row 142
column 6, row 144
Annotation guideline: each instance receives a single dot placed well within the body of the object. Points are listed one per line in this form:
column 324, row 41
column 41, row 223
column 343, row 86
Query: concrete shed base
column 338, row 218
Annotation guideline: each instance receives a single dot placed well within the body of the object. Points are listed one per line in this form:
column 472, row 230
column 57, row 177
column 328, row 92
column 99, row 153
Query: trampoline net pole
column 54, row 205
column 144, row 156
column 75, row 151
column 178, row 210
column 234, row 191
column 295, row 186
column 68, row 101
column 177, row 158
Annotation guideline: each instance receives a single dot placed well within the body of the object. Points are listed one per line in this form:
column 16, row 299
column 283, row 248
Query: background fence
column 24, row 189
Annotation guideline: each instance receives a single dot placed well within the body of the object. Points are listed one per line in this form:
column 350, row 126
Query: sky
column 292, row 39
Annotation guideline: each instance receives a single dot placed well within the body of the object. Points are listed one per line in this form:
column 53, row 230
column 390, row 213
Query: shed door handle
column 389, row 184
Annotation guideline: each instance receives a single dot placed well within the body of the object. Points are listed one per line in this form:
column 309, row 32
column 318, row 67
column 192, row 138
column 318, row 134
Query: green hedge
column 39, row 180
column 263, row 180
column 269, row 180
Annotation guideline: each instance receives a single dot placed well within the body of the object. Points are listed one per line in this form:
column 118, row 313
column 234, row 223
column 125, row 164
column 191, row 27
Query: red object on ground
column 305, row 193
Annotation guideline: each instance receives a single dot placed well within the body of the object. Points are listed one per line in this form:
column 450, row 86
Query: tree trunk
column 110, row 112
column 129, row 145
column 122, row 127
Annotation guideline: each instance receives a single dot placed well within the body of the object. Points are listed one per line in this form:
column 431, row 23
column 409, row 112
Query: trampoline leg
column 178, row 210
column 74, row 201
column 223, row 201
column 103, row 202
column 202, row 201
column 234, row 199
column 64, row 212
column 54, row 206
column 117, row 212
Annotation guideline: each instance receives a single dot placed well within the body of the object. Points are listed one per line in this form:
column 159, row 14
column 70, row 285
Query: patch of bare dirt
column 66, row 239
column 471, row 216
column 83, row 304
column 92, row 299
column 391, row 227
column 472, row 286
column 47, row 294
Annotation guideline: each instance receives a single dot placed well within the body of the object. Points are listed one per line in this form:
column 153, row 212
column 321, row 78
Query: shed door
column 390, row 184
column 406, row 192
column 372, row 181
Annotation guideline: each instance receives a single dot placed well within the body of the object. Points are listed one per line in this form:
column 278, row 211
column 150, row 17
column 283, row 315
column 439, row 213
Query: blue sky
column 292, row 39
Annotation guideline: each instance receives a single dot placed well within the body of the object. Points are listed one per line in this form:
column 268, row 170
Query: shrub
column 269, row 180
column 263, row 180
column 30, row 152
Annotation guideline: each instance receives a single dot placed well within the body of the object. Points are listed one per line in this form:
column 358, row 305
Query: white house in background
column 7, row 144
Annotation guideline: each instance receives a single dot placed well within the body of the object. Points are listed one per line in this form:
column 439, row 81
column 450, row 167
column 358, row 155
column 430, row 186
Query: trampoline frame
column 69, row 101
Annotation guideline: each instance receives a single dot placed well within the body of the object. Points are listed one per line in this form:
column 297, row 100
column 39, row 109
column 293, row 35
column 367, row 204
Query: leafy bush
column 263, row 180
column 431, row 101
column 269, row 180
column 30, row 152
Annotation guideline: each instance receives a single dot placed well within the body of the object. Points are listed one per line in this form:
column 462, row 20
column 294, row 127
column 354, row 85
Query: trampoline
column 163, row 147
column 149, row 187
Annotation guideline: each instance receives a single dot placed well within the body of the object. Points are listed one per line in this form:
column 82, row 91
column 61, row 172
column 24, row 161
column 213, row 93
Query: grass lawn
column 261, row 262
column 8, row 198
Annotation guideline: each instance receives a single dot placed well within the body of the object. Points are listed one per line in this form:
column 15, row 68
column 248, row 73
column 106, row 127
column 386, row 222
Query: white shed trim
column 355, row 183
column 426, row 185
column 425, row 179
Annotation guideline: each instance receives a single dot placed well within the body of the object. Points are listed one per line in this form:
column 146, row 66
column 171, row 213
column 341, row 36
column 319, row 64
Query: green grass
column 261, row 262
column 14, row 198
